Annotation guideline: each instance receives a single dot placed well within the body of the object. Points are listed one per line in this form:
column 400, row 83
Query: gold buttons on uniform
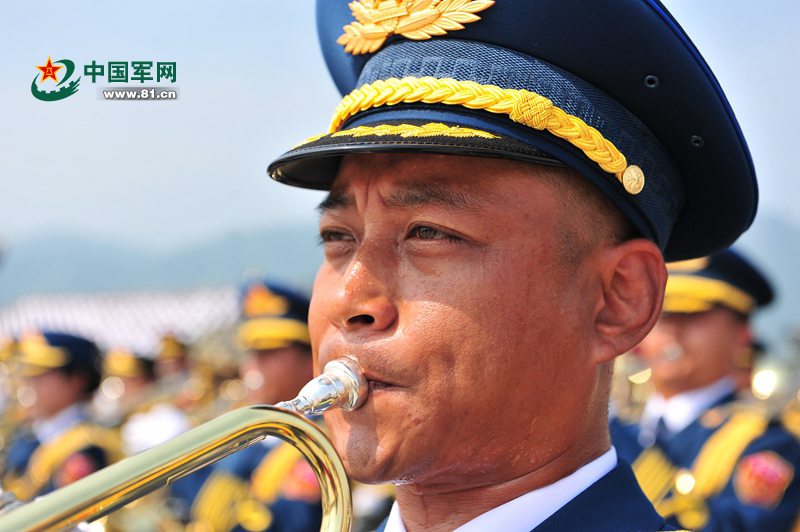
column 633, row 179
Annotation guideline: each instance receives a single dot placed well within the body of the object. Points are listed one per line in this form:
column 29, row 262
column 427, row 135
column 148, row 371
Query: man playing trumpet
column 504, row 187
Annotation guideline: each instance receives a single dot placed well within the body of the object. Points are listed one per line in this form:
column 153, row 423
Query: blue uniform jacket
column 281, row 515
column 17, row 461
column 612, row 504
column 732, row 508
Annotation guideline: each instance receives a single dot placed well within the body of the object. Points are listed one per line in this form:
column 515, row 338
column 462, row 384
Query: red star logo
column 49, row 71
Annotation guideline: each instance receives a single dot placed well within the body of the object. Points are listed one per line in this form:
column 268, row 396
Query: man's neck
column 445, row 508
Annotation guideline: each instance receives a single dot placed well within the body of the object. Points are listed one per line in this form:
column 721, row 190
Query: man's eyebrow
column 336, row 199
column 412, row 196
column 422, row 194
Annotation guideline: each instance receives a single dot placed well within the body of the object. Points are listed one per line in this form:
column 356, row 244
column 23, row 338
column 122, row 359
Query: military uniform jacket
column 262, row 487
column 612, row 504
column 32, row 468
column 731, row 469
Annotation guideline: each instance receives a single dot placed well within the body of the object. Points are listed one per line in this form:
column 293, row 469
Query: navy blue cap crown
column 654, row 131
column 82, row 352
column 268, row 298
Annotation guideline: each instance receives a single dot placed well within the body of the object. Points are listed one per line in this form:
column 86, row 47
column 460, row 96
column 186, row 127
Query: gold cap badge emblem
column 260, row 301
column 414, row 19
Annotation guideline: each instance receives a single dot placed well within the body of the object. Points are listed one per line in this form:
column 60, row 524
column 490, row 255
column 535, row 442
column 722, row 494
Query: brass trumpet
column 341, row 385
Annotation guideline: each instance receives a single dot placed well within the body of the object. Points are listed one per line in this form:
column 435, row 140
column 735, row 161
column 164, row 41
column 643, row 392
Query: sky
column 252, row 84
column 160, row 175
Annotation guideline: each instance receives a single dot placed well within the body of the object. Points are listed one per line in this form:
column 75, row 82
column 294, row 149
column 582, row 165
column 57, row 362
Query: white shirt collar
column 48, row 429
column 530, row 510
column 681, row 410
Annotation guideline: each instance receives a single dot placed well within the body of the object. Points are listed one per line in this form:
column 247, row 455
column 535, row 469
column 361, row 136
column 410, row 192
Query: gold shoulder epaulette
column 714, row 465
column 270, row 474
column 47, row 458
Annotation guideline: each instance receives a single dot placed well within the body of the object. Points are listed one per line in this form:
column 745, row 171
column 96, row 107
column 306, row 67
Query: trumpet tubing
column 341, row 385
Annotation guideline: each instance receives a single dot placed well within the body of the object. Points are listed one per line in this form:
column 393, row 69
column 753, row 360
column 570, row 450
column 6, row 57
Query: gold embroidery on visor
column 432, row 129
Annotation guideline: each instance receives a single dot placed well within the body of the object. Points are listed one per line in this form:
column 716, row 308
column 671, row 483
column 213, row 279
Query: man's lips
column 378, row 382
column 378, row 386
column 379, row 368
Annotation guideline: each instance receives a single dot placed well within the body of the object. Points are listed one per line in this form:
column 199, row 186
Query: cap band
column 697, row 294
column 271, row 333
column 122, row 364
column 35, row 352
column 522, row 106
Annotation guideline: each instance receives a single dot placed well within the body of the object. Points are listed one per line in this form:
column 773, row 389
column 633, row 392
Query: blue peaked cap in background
column 48, row 350
column 268, row 297
column 612, row 88
column 273, row 315
column 726, row 278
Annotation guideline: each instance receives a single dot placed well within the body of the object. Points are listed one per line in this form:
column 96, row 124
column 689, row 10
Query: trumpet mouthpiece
column 341, row 385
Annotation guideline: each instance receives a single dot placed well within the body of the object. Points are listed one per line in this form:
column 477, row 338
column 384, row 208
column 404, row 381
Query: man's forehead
column 459, row 183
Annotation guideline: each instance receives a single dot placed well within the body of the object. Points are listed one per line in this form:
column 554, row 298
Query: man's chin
column 364, row 466
column 365, row 458
column 367, row 475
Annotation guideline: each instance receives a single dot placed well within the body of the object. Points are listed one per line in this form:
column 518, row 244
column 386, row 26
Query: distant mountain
column 64, row 264
column 67, row 264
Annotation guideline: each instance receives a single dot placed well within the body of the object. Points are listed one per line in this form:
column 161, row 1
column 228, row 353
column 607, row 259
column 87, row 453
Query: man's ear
column 633, row 277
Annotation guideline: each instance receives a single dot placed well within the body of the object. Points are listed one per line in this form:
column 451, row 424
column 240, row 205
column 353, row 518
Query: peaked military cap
column 40, row 353
column 725, row 278
column 171, row 348
column 274, row 316
column 124, row 363
column 614, row 89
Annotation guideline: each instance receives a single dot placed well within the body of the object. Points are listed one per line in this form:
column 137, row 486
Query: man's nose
column 361, row 302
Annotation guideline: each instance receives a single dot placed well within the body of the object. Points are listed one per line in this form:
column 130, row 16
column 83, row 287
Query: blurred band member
column 705, row 460
column 268, row 486
column 149, row 416
column 61, row 444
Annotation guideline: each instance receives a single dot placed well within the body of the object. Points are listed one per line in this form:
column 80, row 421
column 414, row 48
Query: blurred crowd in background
column 73, row 402
column 87, row 380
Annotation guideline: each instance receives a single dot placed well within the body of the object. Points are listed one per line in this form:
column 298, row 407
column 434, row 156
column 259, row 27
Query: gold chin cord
column 341, row 385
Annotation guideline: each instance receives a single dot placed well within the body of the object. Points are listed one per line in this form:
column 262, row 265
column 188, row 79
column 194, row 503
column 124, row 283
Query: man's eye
column 429, row 233
column 332, row 235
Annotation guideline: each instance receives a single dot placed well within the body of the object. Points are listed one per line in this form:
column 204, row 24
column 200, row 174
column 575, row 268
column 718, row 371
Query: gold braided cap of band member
column 687, row 293
column 522, row 106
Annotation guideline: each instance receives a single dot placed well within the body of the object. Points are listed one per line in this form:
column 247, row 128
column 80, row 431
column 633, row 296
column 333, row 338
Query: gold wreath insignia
column 414, row 19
